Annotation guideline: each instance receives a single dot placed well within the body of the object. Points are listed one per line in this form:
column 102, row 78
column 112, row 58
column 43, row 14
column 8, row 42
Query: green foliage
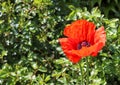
column 110, row 8
column 29, row 50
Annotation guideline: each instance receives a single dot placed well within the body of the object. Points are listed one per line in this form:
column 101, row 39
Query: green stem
column 81, row 72
column 87, row 80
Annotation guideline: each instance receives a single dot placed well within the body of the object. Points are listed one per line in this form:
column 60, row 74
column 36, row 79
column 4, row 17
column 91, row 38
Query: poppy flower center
column 83, row 44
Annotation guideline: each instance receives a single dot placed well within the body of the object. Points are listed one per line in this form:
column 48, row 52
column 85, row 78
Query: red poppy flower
column 82, row 40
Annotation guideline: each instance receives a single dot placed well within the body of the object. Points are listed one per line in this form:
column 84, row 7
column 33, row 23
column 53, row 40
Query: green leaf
column 47, row 78
column 72, row 15
column 42, row 69
column 34, row 65
column 61, row 61
column 71, row 7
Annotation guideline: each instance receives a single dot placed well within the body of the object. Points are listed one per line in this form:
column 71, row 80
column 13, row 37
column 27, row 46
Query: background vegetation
column 29, row 50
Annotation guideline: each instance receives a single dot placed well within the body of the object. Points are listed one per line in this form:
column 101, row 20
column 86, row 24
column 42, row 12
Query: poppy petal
column 99, row 40
column 85, row 51
column 91, row 33
column 97, row 48
column 100, row 35
column 68, row 44
column 72, row 57
column 80, row 30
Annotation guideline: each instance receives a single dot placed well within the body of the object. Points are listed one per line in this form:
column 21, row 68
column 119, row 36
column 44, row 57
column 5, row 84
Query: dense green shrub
column 29, row 50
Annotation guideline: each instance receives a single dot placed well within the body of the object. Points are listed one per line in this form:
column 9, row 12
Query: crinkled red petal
column 80, row 30
column 72, row 57
column 85, row 51
column 99, row 40
column 68, row 44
